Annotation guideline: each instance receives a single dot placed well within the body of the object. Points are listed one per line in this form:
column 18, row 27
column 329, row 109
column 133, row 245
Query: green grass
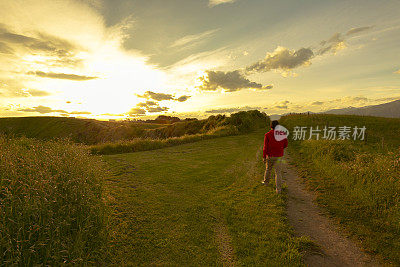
column 168, row 204
column 86, row 131
column 51, row 208
column 357, row 181
column 92, row 132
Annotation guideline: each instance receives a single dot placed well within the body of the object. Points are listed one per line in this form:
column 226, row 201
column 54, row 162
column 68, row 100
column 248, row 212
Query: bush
column 51, row 208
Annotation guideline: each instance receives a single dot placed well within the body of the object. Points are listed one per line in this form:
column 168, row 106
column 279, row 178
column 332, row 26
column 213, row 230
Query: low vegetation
column 198, row 204
column 357, row 181
column 187, row 132
column 51, row 208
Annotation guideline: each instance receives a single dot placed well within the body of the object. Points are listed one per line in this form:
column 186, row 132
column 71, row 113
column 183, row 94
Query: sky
column 118, row 59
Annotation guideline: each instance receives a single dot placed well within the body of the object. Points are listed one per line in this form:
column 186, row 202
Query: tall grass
column 358, row 181
column 51, row 209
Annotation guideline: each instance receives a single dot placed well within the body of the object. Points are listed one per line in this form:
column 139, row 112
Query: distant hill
column 87, row 131
column 90, row 131
column 387, row 110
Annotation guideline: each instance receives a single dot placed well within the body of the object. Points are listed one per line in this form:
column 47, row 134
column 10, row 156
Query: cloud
column 337, row 41
column 56, row 49
column 67, row 47
column 317, row 103
column 46, row 110
column 282, row 59
column 157, row 109
column 147, row 104
column 357, row 30
column 39, row 93
column 161, row 97
column 137, row 112
column 65, row 76
column 43, row 110
column 231, row 110
column 333, row 44
column 281, row 107
column 229, row 81
column 157, row 96
column 213, row 3
column 190, row 40
column 183, row 98
column 5, row 49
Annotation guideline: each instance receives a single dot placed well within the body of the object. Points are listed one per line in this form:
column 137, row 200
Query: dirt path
column 307, row 219
column 224, row 244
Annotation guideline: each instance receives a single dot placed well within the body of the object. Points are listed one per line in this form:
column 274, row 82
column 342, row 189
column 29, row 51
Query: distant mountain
column 387, row 110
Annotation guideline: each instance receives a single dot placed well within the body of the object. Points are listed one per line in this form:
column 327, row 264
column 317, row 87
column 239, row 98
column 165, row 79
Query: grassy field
column 84, row 131
column 357, row 181
column 187, row 132
column 106, row 133
column 51, row 207
column 198, row 204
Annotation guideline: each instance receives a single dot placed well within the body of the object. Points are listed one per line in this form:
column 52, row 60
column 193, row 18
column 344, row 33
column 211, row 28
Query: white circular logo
column 280, row 133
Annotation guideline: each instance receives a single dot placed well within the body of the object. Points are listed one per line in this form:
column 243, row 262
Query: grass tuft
column 51, row 208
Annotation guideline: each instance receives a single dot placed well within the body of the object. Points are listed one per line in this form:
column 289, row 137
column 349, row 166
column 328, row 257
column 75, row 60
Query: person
column 272, row 156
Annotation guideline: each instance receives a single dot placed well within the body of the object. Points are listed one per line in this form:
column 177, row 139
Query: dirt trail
column 307, row 219
column 224, row 245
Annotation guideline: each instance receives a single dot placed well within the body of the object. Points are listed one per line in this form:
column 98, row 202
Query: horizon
column 119, row 59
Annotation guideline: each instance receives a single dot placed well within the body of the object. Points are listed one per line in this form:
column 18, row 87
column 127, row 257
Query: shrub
column 51, row 208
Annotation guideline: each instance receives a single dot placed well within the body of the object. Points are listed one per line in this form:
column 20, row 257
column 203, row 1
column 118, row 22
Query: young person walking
column 272, row 156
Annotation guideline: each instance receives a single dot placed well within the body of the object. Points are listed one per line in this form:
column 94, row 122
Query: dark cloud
column 151, row 107
column 183, row 98
column 157, row 109
column 65, row 76
column 230, row 81
column 161, row 97
column 43, row 110
column 231, row 110
column 282, row 59
column 157, row 96
column 359, row 29
column 147, row 104
column 137, row 112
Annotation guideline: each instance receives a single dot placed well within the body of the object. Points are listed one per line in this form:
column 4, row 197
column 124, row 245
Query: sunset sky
column 192, row 58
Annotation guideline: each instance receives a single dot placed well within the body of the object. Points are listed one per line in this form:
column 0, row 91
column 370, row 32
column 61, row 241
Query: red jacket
column 273, row 148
